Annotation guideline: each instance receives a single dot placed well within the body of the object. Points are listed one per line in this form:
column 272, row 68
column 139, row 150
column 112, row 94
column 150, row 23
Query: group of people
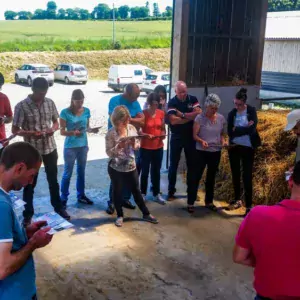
column 268, row 237
column 134, row 144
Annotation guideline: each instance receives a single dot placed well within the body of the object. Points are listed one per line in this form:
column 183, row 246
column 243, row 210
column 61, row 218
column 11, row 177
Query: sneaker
column 85, row 200
column 127, row 204
column 150, row 219
column 234, row 205
column 26, row 221
column 119, row 222
column 159, row 199
column 171, row 196
column 110, row 209
column 63, row 213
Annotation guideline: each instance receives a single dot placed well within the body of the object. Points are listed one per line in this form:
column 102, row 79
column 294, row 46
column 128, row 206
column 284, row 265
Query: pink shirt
column 272, row 233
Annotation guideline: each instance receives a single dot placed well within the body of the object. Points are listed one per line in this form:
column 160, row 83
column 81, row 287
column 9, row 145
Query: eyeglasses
column 238, row 104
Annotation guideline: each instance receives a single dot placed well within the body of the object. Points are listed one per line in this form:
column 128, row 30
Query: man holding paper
column 19, row 165
column 36, row 119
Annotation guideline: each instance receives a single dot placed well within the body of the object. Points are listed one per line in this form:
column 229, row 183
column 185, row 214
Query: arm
column 174, row 120
column 63, row 126
column 239, row 131
column 192, row 115
column 196, row 130
column 18, row 131
column 138, row 120
column 8, row 115
column 243, row 256
column 111, row 145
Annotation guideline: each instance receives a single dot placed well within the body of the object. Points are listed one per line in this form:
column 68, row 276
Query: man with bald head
column 129, row 99
column 182, row 110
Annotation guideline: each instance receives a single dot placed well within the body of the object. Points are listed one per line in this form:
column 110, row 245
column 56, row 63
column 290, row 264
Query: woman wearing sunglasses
column 244, row 138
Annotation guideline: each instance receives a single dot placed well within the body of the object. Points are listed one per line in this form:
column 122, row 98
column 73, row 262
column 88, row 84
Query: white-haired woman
column 209, row 134
column 122, row 166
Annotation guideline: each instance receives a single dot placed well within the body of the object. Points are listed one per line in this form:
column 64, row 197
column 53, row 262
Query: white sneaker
column 159, row 199
column 119, row 222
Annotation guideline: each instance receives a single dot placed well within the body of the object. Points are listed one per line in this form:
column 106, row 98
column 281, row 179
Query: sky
column 32, row 5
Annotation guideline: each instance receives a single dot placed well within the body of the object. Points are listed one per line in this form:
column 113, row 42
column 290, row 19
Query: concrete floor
column 184, row 257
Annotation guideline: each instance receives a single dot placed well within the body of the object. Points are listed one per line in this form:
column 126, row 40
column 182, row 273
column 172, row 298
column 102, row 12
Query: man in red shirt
column 5, row 112
column 269, row 241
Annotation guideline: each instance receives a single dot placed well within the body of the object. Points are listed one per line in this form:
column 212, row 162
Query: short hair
column 77, row 94
column 1, row 80
column 40, row 84
column 130, row 87
column 212, row 100
column 153, row 97
column 20, row 152
column 242, row 95
column 161, row 89
column 120, row 113
column 180, row 82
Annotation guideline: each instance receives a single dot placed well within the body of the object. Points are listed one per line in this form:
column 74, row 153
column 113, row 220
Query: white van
column 121, row 75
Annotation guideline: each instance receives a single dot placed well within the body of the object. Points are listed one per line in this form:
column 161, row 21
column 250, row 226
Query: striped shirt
column 29, row 117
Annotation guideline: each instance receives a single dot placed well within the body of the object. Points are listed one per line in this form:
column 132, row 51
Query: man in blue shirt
column 128, row 99
column 182, row 110
column 19, row 164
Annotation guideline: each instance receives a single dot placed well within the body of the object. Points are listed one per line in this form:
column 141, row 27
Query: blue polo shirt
column 182, row 131
column 133, row 107
column 21, row 284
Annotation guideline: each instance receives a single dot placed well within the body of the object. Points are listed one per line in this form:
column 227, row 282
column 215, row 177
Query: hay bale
column 276, row 156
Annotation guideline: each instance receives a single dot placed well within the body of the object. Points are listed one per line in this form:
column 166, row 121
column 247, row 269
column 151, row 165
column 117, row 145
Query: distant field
column 82, row 35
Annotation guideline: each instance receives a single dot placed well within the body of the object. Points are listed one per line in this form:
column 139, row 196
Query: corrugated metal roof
column 283, row 25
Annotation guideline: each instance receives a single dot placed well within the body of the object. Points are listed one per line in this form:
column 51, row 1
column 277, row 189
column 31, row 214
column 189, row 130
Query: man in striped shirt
column 36, row 119
column 182, row 110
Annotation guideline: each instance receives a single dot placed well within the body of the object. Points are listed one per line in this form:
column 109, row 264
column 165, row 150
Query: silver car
column 71, row 73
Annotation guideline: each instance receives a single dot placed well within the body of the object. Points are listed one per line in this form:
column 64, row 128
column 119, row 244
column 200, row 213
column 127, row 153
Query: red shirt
column 153, row 125
column 5, row 111
column 272, row 233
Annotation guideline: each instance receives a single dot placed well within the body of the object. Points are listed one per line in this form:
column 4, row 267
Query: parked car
column 154, row 79
column 71, row 73
column 27, row 73
column 121, row 75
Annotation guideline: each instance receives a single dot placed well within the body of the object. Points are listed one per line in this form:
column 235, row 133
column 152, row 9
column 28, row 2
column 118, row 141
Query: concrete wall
column 282, row 56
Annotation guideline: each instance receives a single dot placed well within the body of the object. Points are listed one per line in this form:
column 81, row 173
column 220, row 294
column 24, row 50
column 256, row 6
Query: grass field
column 82, row 35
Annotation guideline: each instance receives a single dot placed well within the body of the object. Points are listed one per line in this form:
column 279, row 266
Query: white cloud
column 31, row 5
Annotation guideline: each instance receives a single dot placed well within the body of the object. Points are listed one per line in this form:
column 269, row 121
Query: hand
column 178, row 113
column 34, row 227
column 250, row 123
column 41, row 238
column 204, row 144
column 37, row 135
column 50, row 131
column 150, row 136
column 77, row 133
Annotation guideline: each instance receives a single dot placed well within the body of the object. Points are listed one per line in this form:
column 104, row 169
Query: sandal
column 234, row 205
column 212, row 207
column 119, row 222
column 191, row 209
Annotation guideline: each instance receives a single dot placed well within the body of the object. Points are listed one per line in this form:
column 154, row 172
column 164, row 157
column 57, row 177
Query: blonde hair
column 120, row 114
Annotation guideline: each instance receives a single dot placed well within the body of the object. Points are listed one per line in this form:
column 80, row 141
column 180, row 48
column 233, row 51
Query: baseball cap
column 292, row 119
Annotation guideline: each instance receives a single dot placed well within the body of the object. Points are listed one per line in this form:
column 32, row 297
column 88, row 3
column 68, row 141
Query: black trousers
column 50, row 163
column 176, row 147
column 241, row 159
column 211, row 161
column 154, row 159
column 129, row 180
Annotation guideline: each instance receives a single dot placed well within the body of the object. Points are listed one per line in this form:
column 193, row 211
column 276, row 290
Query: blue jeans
column 126, row 193
column 70, row 156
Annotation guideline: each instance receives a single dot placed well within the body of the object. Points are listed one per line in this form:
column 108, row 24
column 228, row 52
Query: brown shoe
column 171, row 196
column 63, row 213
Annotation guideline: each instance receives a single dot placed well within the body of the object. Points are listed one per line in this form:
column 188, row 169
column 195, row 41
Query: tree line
column 100, row 12
column 284, row 5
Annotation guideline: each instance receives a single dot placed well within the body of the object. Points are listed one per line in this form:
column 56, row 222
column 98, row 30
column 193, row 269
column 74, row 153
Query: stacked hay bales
column 272, row 160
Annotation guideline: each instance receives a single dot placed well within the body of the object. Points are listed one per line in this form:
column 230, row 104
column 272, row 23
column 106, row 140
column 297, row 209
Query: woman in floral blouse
column 121, row 142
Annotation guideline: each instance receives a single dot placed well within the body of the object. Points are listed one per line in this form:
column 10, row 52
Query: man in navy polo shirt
column 19, row 164
column 182, row 110
column 130, row 100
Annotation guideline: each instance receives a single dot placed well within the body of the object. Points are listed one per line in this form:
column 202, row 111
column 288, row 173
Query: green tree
column 10, row 15
column 283, row 5
column 169, row 11
column 24, row 15
column 156, row 12
column 51, row 10
column 61, row 14
column 101, row 12
column 84, row 14
column 117, row 14
column 148, row 5
column 39, row 14
column 124, row 11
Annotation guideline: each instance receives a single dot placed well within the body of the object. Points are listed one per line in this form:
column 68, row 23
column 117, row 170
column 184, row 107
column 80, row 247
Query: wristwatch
column 183, row 116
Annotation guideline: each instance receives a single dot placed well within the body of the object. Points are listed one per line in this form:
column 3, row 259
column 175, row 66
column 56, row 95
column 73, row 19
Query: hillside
column 97, row 62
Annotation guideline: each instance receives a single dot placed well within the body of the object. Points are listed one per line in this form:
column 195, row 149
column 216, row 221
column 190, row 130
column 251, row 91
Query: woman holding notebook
column 151, row 152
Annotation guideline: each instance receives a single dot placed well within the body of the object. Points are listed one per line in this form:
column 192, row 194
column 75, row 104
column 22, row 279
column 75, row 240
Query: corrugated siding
column 281, row 82
column 282, row 56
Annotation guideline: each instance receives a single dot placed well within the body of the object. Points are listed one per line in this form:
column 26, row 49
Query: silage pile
column 273, row 159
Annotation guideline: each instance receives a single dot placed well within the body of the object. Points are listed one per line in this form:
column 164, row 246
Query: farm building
column 218, row 47
column 281, row 63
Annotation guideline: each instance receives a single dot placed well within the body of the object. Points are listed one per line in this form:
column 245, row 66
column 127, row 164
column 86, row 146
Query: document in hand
column 55, row 221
